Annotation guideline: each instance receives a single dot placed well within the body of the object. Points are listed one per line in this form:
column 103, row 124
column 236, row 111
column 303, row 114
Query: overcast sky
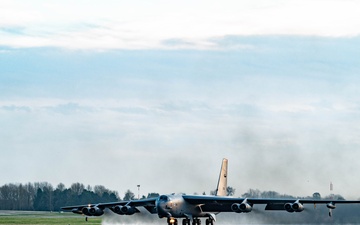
column 156, row 93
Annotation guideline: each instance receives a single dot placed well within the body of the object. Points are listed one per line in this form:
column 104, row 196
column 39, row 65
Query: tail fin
column 221, row 189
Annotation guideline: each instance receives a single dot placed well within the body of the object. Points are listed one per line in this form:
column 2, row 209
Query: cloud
column 180, row 133
column 13, row 108
column 279, row 108
column 120, row 25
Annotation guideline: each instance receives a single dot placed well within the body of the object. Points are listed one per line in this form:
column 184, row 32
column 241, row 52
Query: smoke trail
column 141, row 218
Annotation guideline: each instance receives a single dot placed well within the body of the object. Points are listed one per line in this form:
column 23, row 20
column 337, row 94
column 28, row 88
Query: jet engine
column 95, row 211
column 77, row 211
column 91, row 211
column 331, row 205
column 85, row 211
column 294, row 207
column 243, row 207
column 124, row 210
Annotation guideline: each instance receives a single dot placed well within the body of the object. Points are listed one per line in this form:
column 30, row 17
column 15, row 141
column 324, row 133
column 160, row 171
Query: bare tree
column 100, row 190
column 230, row 191
column 129, row 196
column 60, row 187
column 77, row 188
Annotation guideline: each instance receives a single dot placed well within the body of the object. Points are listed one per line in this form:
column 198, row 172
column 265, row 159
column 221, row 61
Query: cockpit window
column 164, row 198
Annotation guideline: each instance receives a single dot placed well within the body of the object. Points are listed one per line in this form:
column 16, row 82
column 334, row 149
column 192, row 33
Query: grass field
column 45, row 218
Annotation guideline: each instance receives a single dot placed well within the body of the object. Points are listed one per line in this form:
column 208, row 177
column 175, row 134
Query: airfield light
column 138, row 186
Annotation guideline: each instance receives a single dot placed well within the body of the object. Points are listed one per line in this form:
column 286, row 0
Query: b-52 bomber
column 193, row 207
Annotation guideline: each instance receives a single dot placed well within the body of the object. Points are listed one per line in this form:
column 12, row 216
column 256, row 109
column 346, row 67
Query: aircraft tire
column 186, row 222
column 196, row 221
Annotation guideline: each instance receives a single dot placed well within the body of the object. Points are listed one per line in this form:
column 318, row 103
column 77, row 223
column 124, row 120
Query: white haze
column 157, row 93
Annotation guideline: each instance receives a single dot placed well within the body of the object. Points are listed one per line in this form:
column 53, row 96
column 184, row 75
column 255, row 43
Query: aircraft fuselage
column 175, row 206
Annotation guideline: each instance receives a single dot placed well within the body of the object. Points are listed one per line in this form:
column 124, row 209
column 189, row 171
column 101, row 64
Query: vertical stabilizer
column 221, row 189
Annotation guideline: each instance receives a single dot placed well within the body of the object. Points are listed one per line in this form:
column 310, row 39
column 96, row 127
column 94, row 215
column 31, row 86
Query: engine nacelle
column 124, row 210
column 243, row 207
column 235, row 207
column 77, row 211
column 85, row 211
column 95, row 211
column 117, row 209
column 294, row 207
column 331, row 205
column 298, row 207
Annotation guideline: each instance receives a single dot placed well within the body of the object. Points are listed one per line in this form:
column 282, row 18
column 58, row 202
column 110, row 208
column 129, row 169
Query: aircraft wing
column 225, row 204
column 121, row 207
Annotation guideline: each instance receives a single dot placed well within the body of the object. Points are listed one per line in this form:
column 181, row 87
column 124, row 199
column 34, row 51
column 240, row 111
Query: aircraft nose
column 161, row 206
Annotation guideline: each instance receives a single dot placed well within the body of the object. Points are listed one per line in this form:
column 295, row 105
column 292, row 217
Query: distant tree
column 143, row 197
column 31, row 191
column 8, row 196
column 335, row 197
column 43, row 200
column 252, row 193
column 213, row 192
column 22, row 197
column 339, row 197
column 129, row 196
column 230, row 191
column 60, row 187
column 100, row 190
column 17, row 196
column 270, row 194
column 316, row 195
column 153, row 195
column 59, row 197
column 42, row 196
column 77, row 188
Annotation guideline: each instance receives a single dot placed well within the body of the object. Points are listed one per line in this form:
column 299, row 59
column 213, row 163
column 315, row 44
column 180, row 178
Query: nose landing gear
column 172, row 221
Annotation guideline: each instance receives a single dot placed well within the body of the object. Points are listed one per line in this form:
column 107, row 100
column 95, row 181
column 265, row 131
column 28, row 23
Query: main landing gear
column 195, row 221
column 186, row 222
column 209, row 221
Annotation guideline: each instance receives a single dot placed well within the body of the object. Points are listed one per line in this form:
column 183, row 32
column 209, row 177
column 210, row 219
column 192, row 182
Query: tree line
column 42, row 196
